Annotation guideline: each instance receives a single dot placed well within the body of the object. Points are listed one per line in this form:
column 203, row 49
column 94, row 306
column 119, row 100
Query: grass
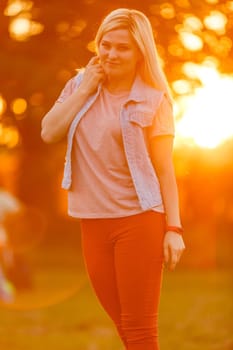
column 196, row 313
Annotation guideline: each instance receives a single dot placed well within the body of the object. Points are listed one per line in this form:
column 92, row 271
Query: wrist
column 176, row 229
column 83, row 92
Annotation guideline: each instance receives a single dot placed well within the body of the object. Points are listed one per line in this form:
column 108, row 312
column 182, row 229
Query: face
column 119, row 54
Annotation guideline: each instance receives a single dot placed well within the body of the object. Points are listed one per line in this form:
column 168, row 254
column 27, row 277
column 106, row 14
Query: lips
column 112, row 63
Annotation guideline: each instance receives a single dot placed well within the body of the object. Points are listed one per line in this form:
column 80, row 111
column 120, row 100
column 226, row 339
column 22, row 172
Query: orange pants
column 124, row 260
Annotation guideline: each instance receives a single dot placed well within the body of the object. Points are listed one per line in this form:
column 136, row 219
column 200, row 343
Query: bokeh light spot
column 36, row 28
column 190, row 68
column 19, row 28
column 14, row 7
column 22, row 28
column 91, row 46
column 229, row 5
column 78, row 26
column 192, row 23
column 216, row 21
column 62, row 27
column 175, row 49
column 167, row 10
column 73, row 30
column 191, row 41
column 212, row 2
column 19, row 105
column 183, row 3
column 181, row 86
column 3, row 105
column 9, row 136
column 36, row 99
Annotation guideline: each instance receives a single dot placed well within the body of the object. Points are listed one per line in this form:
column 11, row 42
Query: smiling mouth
column 112, row 63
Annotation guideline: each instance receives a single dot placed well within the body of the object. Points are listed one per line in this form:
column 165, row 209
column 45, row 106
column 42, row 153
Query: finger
column 93, row 60
column 174, row 259
column 95, row 68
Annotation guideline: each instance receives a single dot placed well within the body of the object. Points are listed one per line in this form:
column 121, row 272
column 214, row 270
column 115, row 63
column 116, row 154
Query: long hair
column 140, row 28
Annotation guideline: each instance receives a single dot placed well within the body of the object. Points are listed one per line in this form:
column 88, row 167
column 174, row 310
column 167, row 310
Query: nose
column 112, row 53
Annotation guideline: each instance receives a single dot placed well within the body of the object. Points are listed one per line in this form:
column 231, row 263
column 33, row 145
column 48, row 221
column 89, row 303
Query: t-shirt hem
column 108, row 216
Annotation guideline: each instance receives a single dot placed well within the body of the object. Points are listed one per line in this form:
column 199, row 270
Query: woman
column 119, row 174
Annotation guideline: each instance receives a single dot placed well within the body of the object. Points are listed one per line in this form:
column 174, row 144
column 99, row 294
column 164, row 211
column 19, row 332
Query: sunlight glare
column 207, row 113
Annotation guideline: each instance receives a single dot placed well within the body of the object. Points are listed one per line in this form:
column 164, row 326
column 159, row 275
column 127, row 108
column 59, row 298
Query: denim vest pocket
column 141, row 118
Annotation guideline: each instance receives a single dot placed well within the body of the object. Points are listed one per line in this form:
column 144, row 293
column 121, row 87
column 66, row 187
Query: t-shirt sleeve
column 164, row 120
column 67, row 91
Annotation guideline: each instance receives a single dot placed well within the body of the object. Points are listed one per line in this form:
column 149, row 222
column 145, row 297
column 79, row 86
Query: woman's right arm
column 56, row 122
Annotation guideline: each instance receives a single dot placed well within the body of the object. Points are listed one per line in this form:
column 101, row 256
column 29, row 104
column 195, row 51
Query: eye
column 123, row 48
column 104, row 44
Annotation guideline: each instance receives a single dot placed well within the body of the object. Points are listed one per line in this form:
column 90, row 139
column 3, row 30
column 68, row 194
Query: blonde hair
column 140, row 28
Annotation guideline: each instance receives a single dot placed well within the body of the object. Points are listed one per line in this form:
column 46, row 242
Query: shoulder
column 160, row 98
column 145, row 94
column 70, row 86
column 74, row 81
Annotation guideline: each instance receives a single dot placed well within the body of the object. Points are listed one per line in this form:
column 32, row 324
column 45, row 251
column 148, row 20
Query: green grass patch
column 196, row 313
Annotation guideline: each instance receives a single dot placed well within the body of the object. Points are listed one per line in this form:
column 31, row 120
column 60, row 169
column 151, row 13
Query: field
column 196, row 313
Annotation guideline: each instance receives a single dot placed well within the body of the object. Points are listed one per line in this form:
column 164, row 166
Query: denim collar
column 137, row 89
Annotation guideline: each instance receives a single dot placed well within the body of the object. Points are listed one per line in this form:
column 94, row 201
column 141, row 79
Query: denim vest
column 136, row 115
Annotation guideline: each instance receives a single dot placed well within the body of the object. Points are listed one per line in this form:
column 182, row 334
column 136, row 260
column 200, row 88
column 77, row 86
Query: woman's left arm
column 161, row 153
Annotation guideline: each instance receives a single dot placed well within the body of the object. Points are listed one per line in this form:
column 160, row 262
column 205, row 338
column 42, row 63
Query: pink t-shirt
column 102, row 186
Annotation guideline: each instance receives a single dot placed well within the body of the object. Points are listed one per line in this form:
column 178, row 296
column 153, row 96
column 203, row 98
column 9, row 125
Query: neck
column 119, row 84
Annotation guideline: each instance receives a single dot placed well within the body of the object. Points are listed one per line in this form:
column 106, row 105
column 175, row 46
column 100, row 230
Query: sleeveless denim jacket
column 137, row 114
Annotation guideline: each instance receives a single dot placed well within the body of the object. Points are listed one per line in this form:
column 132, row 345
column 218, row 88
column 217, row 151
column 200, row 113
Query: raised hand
column 93, row 75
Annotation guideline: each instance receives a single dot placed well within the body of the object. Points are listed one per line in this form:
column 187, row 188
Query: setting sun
column 204, row 114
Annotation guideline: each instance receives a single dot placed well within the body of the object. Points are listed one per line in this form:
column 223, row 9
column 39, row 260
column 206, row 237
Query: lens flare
column 205, row 115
